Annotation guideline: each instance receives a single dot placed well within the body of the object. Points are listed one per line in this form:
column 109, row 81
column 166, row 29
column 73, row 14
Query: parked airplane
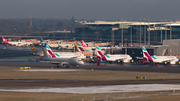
column 34, row 51
column 90, row 48
column 16, row 43
column 50, row 57
column 118, row 57
column 60, row 45
column 65, row 54
column 83, row 44
column 80, row 47
column 159, row 59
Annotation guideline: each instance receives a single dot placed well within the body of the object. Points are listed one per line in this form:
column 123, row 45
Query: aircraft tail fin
column 41, row 54
column 33, row 48
column 80, row 48
column 76, row 45
column 100, row 54
column 43, row 42
column 48, row 52
column 146, row 54
column 83, row 44
column 5, row 41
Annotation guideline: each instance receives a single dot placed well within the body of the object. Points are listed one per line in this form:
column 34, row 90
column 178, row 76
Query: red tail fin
column 4, row 40
column 83, row 44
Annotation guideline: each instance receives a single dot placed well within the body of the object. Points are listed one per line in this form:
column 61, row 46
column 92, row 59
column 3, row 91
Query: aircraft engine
column 126, row 61
column 172, row 62
column 61, row 65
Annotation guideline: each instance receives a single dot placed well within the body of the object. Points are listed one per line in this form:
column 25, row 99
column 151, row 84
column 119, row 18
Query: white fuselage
column 51, row 58
column 70, row 55
column 67, row 61
column 54, row 45
column 90, row 48
column 161, row 59
column 19, row 43
column 120, row 57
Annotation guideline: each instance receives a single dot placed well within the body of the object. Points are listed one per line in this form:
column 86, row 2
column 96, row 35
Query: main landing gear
column 63, row 65
column 120, row 62
column 77, row 66
column 166, row 63
column 110, row 62
column 154, row 64
column 99, row 64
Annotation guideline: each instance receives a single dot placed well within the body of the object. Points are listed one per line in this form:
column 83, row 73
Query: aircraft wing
column 55, row 62
column 120, row 59
column 139, row 58
column 167, row 60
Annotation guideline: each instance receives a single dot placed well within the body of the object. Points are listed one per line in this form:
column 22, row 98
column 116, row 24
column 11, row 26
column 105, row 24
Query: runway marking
column 49, row 70
column 97, row 89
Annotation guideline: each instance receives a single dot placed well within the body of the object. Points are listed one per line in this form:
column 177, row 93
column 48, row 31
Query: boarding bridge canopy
column 157, row 28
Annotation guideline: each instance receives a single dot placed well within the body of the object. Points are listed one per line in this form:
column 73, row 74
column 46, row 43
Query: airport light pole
column 170, row 40
column 100, row 41
column 53, row 35
column 74, row 45
column 144, row 32
column 131, row 32
column 126, row 46
column 140, row 32
column 165, row 30
column 66, row 36
column 161, row 30
column 83, row 33
column 112, row 39
column 122, row 33
column 170, row 30
column 149, row 33
column 97, row 32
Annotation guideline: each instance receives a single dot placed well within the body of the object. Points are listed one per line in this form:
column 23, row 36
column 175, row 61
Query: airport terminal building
column 126, row 33
column 134, row 32
column 120, row 32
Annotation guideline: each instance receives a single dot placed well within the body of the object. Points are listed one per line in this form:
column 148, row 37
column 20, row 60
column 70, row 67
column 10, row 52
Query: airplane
column 65, row 54
column 50, row 57
column 124, row 58
column 159, row 59
column 90, row 48
column 16, row 43
column 61, row 45
column 34, row 51
column 80, row 47
column 83, row 44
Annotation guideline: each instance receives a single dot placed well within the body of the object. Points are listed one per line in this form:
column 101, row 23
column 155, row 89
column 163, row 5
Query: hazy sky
column 91, row 9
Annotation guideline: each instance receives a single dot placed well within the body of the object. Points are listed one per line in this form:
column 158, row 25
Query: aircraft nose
column 81, row 62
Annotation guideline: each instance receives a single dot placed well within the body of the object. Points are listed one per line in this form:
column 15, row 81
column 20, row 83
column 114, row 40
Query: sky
column 154, row 10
